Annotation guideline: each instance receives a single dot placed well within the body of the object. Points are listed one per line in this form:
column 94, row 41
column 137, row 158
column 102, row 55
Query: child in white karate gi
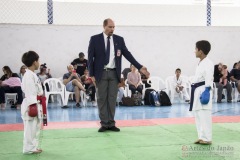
column 179, row 86
column 201, row 98
column 31, row 86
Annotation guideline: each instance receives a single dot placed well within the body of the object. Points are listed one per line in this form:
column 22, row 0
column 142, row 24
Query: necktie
column 107, row 51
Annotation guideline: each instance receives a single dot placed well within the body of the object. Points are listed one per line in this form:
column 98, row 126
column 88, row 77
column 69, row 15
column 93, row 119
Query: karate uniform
column 179, row 82
column 31, row 86
column 203, row 113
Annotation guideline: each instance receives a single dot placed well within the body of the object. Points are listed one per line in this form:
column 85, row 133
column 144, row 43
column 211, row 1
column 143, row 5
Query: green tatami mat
column 163, row 142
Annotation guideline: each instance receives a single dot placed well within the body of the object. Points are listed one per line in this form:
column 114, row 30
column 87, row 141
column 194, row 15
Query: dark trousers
column 220, row 90
column 7, row 89
column 134, row 89
column 107, row 89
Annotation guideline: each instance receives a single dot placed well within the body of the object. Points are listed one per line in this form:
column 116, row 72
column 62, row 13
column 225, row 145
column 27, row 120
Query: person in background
column 81, row 63
column 121, row 87
column 90, row 86
column 22, row 71
column 44, row 73
column 73, row 83
column 74, row 64
column 224, row 78
column 235, row 76
column 144, row 80
column 217, row 76
column 179, row 85
column 10, row 83
column 134, row 80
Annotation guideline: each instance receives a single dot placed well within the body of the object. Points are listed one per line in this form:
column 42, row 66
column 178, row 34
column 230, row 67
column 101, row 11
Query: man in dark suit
column 105, row 53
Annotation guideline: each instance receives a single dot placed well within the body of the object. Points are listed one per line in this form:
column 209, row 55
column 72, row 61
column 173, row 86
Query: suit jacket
column 97, row 53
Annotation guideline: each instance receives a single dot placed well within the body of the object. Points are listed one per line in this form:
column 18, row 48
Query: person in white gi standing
column 31, row 86
column 201, row 93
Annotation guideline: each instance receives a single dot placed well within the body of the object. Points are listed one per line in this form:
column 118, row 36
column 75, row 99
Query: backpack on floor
column 164, row 99
column 137, row 98
column 127, row 101
column 154, row 98
column 147, row 97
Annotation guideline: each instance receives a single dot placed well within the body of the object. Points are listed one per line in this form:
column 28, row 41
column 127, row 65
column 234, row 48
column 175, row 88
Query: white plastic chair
column 235, row 92
column 12, row 96
column 82, row 96
column 55, row 86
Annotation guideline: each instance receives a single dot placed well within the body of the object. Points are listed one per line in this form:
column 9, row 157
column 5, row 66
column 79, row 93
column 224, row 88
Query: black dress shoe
column 114, row 128
column 64, row 107
column 102, row 129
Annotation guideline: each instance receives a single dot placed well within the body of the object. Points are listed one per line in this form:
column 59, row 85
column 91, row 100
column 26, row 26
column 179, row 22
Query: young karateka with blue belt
column 201, row 93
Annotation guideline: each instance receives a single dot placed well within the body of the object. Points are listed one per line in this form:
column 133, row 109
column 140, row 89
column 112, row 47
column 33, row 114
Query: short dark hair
column 204, row 46
column 29, row 58
column 81, row 54
column 178, row 69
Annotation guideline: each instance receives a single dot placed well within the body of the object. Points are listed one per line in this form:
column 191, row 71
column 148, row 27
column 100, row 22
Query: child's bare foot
column 37, row 151
column 18, row 106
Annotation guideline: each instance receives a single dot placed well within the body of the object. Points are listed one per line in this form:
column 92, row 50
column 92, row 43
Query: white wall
column 71, row 12
column 161, row 49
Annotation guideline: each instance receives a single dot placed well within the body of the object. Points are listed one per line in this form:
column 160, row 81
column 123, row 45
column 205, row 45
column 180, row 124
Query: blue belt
column 193, row 87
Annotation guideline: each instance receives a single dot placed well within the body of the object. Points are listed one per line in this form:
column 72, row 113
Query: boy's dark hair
column 178, row 69
column 29, row 58
column 204, row 46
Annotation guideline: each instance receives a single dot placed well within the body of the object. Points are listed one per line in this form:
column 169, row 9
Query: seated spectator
column 22, row 71
column 179, row 85
column 90, row 86
column 121, row 87
column 235, row 76
column 10, row 83
column 134, row 80
column 144, row 80
column 217, row 76
column 81, row 63
column 224, row 77
column 44, row 73
column 73, row 83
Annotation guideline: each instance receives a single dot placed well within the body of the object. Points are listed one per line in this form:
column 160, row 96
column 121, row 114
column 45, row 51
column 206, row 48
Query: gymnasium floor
column 147, row 133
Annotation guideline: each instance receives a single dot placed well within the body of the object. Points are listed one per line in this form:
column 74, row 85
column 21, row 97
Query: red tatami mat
column 121, row 123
